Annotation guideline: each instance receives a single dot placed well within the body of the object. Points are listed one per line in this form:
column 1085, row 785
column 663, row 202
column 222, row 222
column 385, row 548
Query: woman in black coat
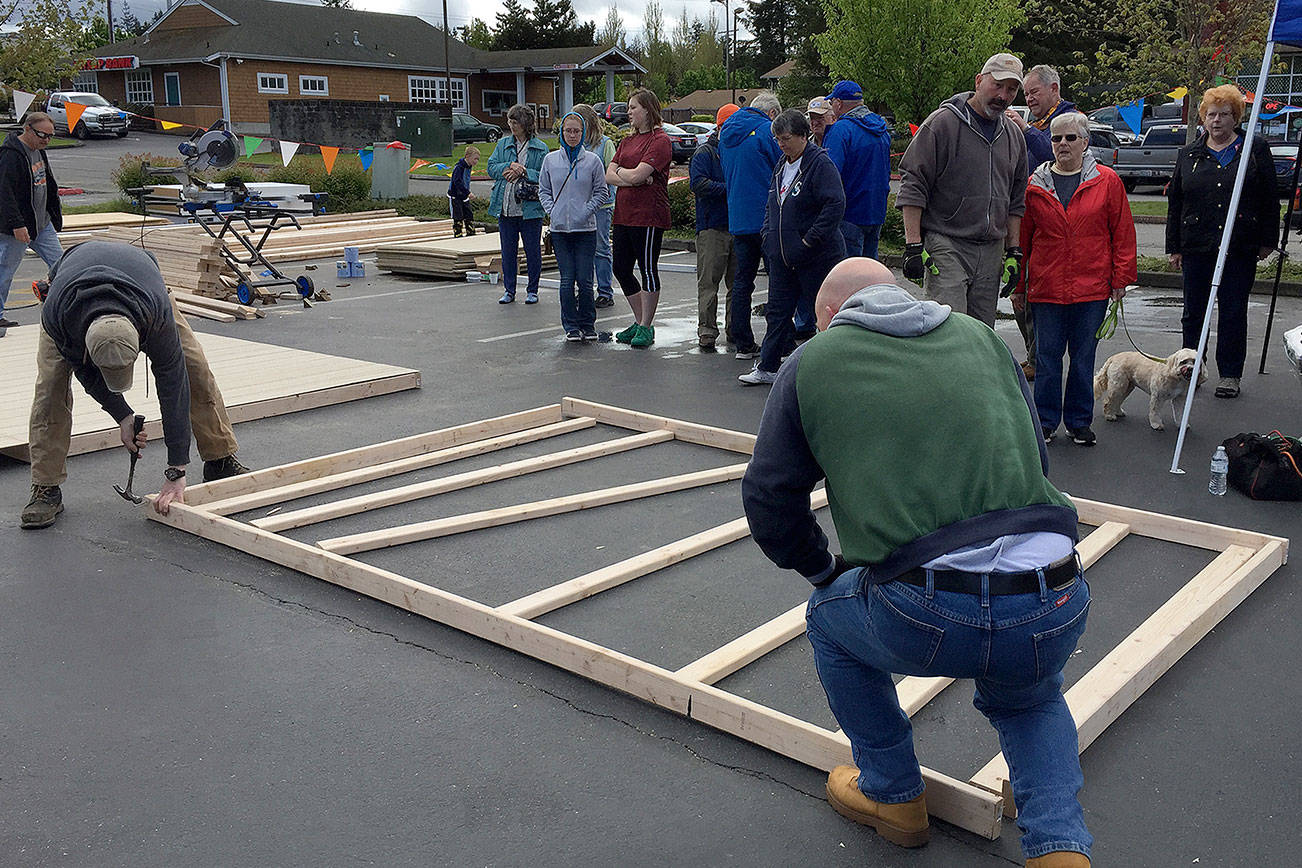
column 1198, row 202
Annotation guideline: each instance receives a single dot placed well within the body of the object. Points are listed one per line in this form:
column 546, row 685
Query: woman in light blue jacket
column 573, row 188
column 514, row 165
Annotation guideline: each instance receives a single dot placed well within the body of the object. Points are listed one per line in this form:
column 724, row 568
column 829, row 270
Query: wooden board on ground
column 105, row 219
column 448, row 259
column 257, row 380
column 1246, row 560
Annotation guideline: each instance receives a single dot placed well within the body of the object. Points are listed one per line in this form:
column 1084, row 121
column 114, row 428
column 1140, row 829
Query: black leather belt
column 1057, row 576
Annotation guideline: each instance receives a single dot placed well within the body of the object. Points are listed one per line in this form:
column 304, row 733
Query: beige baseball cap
column 113, row 343
column 819, row 105
column 1003, row 66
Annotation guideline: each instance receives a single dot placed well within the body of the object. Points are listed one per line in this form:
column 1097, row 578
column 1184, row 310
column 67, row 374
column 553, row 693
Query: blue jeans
column 860, row 240
column 1014, row 646
column 605, row 276
column 46, row 245
column 512, row 232
column 1066, row 328
column 789, row 288
column 1231, row 304
column 574, row 253
column 749, row 249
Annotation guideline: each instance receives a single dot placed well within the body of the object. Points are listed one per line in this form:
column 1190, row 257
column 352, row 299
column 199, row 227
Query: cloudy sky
column 461, row 11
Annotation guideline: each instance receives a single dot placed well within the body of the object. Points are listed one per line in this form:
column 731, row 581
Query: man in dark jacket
column 459, row 194
column 748, row 153
column 859, row 144
column 715, row 259
column 30, row 215
column 946, row 543
column 802, row 236
column 107, row 304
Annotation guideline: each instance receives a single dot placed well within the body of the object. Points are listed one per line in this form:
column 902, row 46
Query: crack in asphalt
column 743, row 770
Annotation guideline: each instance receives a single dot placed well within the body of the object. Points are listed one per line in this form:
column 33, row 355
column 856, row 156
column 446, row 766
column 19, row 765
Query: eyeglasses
column 42, row 135
column 1070, row 137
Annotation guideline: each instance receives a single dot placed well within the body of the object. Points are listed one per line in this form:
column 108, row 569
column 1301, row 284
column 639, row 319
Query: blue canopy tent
column 1286, row 29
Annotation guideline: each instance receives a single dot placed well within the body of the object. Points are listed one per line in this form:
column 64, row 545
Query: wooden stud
column 691, row 432
column 1168, row 527
column 423, row 530
column 747, row 648
column 432, row 487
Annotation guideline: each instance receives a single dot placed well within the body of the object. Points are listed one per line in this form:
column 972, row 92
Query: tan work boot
column 904, row 824
column 1064, row 859
column 45, row 505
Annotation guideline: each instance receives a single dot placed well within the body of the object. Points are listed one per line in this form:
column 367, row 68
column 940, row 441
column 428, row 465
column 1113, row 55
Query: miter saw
column 241, row 215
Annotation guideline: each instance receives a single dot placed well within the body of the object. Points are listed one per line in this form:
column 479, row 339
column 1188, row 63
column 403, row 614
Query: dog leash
column 1108, row 328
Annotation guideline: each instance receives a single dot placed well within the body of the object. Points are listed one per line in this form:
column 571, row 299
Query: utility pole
column 727, row 53
column 108, row 5
column 447, row 58
column 736, row 13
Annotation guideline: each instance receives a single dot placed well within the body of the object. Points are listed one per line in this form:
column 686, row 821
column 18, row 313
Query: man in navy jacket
column 715, row 259
column 859, row 144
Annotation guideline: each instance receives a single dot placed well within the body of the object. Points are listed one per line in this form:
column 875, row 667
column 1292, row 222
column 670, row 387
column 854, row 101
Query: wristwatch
column 172, row 474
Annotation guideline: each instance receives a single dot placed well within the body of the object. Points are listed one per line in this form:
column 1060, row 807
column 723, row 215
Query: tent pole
column 1244, row 157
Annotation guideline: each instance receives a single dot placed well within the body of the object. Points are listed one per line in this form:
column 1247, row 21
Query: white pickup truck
column 100, row 117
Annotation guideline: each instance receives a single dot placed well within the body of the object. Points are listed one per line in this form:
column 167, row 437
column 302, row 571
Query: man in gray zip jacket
column 962, row 194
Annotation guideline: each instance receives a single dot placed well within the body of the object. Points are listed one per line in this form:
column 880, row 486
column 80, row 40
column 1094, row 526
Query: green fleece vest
column 898, row 425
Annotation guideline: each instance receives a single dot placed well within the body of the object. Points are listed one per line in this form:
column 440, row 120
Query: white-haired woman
column 1078, row 241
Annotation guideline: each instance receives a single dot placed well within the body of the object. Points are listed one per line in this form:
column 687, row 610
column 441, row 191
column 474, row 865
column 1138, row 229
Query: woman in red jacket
column 1078, row 238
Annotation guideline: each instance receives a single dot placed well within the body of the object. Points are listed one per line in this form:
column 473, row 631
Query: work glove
column 1012, row 270
column 917, row 262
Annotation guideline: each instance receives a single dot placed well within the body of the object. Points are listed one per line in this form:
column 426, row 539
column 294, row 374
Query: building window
column 497, row 102
column 273, row 82
column 140, row 87
column 427, row 89
column 86, row 82
column 313, row 85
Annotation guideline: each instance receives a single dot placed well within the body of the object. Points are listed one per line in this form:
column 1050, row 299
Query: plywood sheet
column 257, row 380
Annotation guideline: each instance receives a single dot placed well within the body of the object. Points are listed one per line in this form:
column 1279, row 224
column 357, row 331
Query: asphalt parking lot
column 173, row 702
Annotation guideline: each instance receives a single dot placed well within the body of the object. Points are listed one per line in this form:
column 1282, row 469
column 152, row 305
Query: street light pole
column 108, row 6
column 736, row 13
column 447, row 58
column 727, row 55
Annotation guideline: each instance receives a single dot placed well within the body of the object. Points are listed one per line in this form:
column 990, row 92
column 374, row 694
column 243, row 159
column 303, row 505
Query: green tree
column 935, row 50
column 54, row 38
column 514, row 28
column 612, row 32
column 657, row 53
column 476, row 34
column 556, row 24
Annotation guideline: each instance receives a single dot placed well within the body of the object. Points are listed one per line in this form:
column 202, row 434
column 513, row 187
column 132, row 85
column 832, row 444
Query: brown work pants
column 50, row 429
column 715, row 261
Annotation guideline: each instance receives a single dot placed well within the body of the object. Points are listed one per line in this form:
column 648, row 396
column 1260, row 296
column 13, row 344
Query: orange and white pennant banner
column 22, row 102
column 74, row 110
column 287, row 151
column 419, row 164
column 328, row 154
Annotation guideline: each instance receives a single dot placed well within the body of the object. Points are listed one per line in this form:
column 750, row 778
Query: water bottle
column 1220, row 467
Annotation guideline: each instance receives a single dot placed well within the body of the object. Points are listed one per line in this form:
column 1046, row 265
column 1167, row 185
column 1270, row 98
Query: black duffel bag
column 1266, row 467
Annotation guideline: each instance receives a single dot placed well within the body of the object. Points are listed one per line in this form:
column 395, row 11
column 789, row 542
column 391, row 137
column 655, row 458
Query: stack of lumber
column 450, row 258
column 212, row 308
column 105, row 219
column 189, row 259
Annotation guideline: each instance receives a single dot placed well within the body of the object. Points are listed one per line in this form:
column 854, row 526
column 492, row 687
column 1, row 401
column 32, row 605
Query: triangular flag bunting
column 419, row 164
column 1179, row 92
column 1133, row 114
column 287, row 151
column 22, row 102
column 328, row 155
column 171, row 125
column 442, row 167
column 251, row 144
column 366, row 157
column 74, row 113
column 913, row 129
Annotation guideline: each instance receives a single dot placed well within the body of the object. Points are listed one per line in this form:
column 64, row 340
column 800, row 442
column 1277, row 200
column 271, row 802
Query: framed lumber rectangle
column 257, row 380
column 1244, row 560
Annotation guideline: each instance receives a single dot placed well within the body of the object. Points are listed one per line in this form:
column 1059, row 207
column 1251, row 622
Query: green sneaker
column 627, row 334
column 645, row 337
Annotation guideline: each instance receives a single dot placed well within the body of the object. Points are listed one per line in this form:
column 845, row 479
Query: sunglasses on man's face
column 41, row 134
column 1070, row 137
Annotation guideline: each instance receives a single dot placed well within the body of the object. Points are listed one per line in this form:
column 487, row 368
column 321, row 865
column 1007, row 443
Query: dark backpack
column 1265, row 467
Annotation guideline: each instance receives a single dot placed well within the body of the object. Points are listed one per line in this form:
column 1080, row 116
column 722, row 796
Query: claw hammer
column 126, row 493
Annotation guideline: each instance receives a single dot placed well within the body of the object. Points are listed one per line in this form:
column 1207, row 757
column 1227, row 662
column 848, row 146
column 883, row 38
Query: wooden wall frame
column 1244, row 561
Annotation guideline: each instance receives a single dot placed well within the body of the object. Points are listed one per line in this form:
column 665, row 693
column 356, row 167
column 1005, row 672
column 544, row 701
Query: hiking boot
column 605, row 301
column 1059, row 859
column 904, row 824
column 627, row 334
column 645, row 337
column 1028, row 370
column 750, row 352
column 507, row 297
column 456, row 229
column 1228, row 387
column 46, row 503
column 223, row 467
column 1082, row 436
column 758, row 377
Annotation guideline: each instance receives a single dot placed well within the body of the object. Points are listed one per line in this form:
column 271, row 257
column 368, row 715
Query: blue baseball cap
column 846, row 90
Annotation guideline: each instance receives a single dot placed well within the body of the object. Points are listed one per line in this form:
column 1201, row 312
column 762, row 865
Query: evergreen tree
column 515, row 28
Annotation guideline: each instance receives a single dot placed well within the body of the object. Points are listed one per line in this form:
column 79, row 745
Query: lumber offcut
column 449, row 258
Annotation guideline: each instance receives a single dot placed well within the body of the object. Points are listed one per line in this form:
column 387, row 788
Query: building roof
column 782, row 70
column 272, row 30
column 712, row 100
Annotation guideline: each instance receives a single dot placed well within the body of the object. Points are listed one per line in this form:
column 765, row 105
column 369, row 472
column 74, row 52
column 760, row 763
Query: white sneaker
column 758, row 378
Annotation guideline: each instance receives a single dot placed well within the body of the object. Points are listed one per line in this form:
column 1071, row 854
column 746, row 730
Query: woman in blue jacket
column 801, row 236
column 515, row 165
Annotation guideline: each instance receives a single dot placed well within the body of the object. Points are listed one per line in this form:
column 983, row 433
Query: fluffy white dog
column 1165, row 382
